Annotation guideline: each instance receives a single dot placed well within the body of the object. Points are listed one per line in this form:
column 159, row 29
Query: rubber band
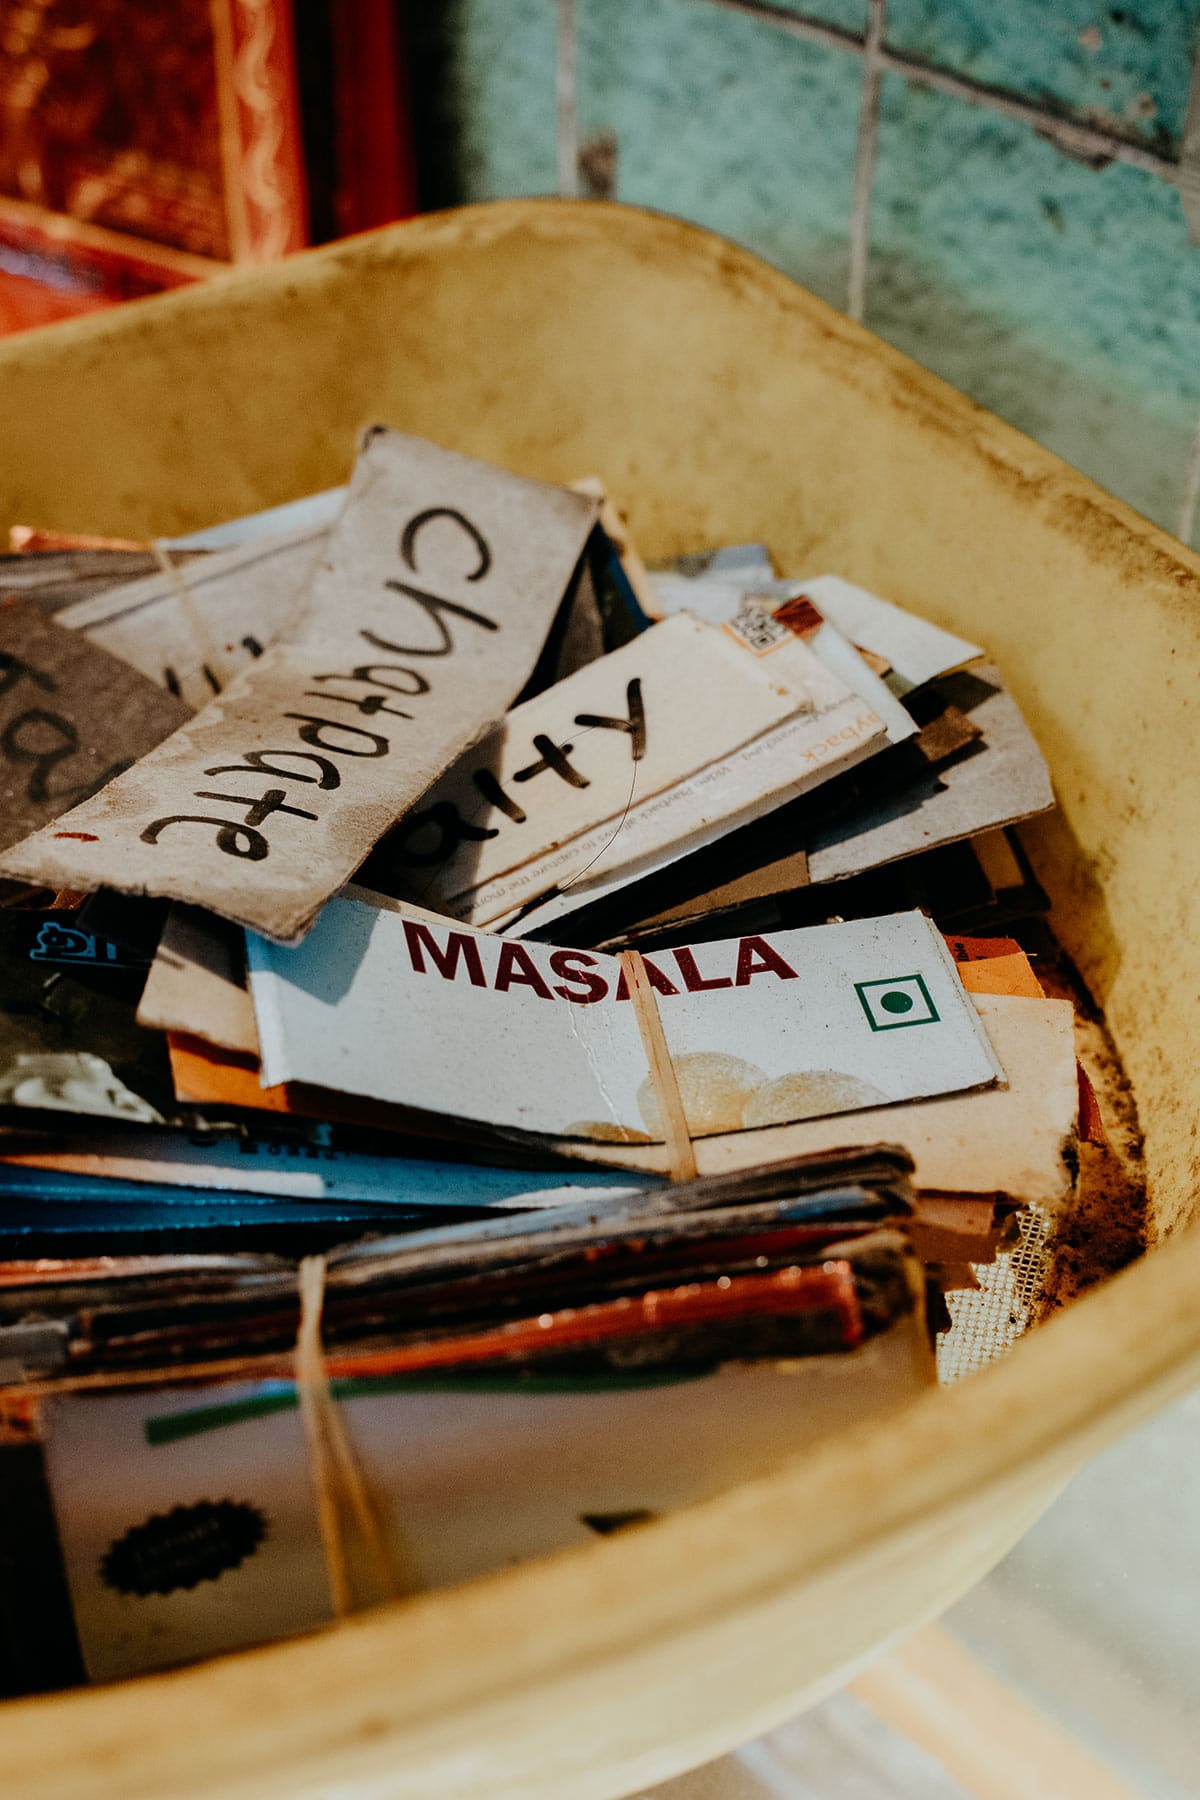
column 316, row 1401
column 337, row 1475
column 681, row 1157
column 209, row 652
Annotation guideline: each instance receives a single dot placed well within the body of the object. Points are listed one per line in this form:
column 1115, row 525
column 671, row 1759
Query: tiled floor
column 1093, row 1620
column 839, row 1751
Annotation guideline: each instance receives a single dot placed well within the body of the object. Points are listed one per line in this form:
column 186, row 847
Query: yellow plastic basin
column 721, row 402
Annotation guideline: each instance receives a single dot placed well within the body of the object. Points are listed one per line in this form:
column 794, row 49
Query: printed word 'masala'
column 578, row 975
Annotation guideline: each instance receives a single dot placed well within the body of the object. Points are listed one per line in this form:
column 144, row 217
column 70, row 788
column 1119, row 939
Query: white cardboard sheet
column 1010, row 1139
column 760, row 1029
column 725, row 735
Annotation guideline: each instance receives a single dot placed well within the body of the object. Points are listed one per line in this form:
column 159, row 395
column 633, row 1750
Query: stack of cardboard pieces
column 494, row 1044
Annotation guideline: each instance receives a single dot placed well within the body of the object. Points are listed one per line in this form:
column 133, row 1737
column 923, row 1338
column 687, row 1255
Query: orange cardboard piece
column 1000, row 966
column 994, row 966
column 208, row 1076
column 1002, row 975
column 1091, row 1120
column 979, row 949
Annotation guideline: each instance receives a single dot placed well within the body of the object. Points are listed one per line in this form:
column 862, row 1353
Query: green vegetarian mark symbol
column 889, row 1005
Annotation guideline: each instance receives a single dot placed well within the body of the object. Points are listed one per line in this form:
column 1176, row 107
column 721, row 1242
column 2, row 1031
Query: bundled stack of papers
column 494, row 1044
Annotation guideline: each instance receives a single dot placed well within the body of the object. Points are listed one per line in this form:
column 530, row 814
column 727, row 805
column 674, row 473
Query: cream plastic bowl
column 720, row 402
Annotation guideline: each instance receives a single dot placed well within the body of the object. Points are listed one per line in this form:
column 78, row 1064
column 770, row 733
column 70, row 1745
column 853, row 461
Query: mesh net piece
column 989, row 1319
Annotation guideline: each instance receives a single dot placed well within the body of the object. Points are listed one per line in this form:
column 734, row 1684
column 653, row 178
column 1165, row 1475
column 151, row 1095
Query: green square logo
column 891, row 1005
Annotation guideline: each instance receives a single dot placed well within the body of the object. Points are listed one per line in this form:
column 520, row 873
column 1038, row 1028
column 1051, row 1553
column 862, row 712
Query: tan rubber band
column 337, row 1457
column 681, row 1158
column 337, row 1476
column 316, row 1401
column 208, row 649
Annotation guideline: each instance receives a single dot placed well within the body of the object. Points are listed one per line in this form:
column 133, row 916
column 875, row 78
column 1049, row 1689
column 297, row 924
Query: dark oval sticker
column 184, row 1547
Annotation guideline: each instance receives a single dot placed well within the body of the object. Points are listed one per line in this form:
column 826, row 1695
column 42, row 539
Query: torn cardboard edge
column 1016, row 1141
column 72, row 719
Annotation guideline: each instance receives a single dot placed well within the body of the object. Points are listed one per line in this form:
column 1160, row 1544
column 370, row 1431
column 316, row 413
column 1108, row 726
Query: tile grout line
column 566, row 95
column 796, row 24
column 865, row 157
column 1190, row 497
column 1086, row 143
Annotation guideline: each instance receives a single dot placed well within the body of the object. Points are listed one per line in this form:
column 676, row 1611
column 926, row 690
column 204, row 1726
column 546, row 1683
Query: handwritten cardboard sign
column 761, row 1030
column 423, row 620
column 673, row 740
column 795, row 644
column 71, row 719
column 589, row 749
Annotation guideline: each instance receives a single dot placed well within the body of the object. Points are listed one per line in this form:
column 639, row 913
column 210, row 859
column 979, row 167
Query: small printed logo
column 183, row 1547
column 62, row 943
column 67, row 944
column 756, row 629
column 800, row 616
column 904, row 1000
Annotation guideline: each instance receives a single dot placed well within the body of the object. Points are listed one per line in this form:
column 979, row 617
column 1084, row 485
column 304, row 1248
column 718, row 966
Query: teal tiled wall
column 1065, row 298
column 730, row 123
